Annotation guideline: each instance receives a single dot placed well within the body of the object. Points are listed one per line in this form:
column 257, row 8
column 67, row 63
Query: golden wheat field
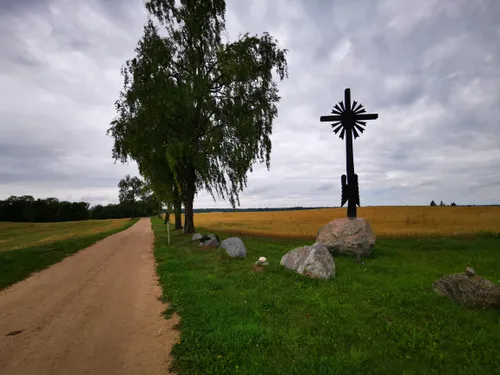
column 385, row 221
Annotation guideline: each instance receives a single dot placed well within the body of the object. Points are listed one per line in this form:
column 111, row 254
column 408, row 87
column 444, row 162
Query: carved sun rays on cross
column 348, row 119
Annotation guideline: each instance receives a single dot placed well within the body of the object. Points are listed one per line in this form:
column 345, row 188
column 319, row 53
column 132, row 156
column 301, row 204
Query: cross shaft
column 349, row 118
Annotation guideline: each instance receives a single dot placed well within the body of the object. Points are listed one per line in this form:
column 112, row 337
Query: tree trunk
column 178, row 212
column 188, row 199
column 160, row 209
column 188, row 215
column 177, row 209
column 188, row 204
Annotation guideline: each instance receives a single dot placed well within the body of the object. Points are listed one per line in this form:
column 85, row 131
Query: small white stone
column 470, row 271
column 261, row 262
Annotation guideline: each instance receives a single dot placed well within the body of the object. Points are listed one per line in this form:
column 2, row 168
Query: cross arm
column 329, row 118
column 364, row 116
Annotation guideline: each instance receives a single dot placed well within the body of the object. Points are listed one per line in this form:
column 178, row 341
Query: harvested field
column 21, row 235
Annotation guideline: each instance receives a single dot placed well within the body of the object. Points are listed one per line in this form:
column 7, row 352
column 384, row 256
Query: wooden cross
column 349, row 120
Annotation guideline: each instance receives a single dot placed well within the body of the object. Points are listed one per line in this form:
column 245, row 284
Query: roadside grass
column 18, row 264
column 21, row 235
column 380, row 317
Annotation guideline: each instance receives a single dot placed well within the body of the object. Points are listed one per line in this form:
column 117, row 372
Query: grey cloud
column 10, row 7
column 71, row 37
column 324, row 187
column 430, row 68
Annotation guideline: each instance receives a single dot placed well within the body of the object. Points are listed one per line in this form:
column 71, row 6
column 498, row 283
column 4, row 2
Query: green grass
column 380, row 317
column 18, row 264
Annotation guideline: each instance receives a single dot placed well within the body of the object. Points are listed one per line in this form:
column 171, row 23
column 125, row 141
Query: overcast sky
column 429, row 68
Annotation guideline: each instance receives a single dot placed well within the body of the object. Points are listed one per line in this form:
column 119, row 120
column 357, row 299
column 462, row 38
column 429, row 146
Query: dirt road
column 96, row 312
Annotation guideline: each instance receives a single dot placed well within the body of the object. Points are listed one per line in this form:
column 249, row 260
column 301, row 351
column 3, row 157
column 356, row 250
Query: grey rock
column 234, row 247
column 468, row 290
column 314, row 261
column 197, row 237
column 348, row 236
column 209, row 240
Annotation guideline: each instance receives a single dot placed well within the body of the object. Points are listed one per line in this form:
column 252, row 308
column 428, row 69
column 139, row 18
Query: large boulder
column 313, row 261
column 234, row 247
column 348, row 236
column 197, row 237
column 211, row 240
column 468, row 289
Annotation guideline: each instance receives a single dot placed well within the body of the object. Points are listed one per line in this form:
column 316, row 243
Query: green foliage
column 380, row 317
column 130, row 189
column 27, row 208
column 16, row 265
column 43, row 210
column 196, row 108
column 140, row 208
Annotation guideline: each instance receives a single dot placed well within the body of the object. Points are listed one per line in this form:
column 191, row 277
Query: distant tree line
column 28, row 209
column 442, row 203
column 136, row 200
column 465, row 205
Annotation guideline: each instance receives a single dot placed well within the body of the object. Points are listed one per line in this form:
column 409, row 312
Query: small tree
column 433, row 203
column 130, row 188
column 149, row 197
column 442, row 203
column 162, row 183
column 453, row 204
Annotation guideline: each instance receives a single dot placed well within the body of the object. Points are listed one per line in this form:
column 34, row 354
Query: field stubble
column 21, row 235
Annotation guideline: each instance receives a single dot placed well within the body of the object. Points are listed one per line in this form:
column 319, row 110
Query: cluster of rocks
column 210, row 240
column 344, row 236
column 355, row 237
column 233, row 246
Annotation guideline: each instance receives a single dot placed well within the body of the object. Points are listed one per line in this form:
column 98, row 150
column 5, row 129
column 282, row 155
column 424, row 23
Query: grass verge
column 16, row 265
column 380, row 317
